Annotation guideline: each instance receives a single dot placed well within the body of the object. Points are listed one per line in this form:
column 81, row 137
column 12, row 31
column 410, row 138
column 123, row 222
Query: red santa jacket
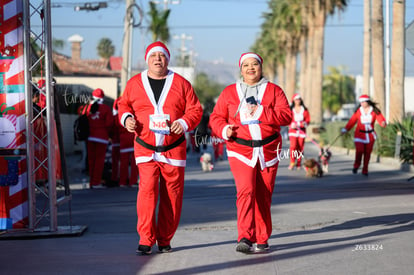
column 300, row 121
column 364, row 131
column 178, row 100
column 273, row 111
column 100, row 123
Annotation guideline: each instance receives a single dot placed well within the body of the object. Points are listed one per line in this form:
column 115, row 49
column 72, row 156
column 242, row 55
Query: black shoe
column 260, row 248
column 244, row 246
column 144, row 250
column 365, row 174
column 355, row 170
column 164, row 249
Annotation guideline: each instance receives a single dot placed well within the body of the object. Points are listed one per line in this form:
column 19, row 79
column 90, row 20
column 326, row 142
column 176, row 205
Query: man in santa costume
column 115, row 145
column 159, row 106
column 100, row 123
column 364, row 137
column 297, row 130
column 126, row 153
column 248, row 115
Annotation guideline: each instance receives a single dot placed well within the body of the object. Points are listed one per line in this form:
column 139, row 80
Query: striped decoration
column 12, row 94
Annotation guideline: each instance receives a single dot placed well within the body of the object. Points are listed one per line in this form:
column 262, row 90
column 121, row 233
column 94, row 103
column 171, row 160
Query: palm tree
column 366, row 66
column 378, row 69
column 337, row 90
column 159, row 23
column 319, row 10
column 105, row 48
column 397, row 62
column 279, row 41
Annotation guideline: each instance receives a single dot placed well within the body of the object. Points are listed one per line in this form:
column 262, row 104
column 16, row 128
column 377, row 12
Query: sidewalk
column 338, row 224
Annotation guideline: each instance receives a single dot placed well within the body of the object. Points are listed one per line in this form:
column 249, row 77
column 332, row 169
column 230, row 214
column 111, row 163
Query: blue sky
column 220, row 29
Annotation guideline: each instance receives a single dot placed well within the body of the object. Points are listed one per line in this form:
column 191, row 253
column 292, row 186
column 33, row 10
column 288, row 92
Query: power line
column 193, row 26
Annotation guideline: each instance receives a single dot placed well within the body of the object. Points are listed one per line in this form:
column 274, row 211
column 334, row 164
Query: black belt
column 256, row 143
column 369, row 131
column 161, row 148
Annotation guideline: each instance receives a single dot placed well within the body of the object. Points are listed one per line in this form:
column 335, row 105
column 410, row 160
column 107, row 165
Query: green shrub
column 387, row 138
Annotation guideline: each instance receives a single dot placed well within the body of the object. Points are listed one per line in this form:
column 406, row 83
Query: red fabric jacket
column 273, row 111
column 177, row 99
column 300, row 121
column 100, row 124
column 364, row 131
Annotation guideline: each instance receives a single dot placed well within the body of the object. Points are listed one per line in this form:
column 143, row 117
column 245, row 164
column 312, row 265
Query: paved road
column 339, row 224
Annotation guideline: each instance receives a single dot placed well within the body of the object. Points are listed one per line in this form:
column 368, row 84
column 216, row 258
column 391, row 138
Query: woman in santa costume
column 297, row 130
column 364, row 137
column 159, row 106
column 248, row 115
column 100, row 123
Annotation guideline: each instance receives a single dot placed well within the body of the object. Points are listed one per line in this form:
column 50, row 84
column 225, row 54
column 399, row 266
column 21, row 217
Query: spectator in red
column 100, row 123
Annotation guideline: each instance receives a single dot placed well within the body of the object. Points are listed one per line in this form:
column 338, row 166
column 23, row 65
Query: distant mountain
column 218, row 71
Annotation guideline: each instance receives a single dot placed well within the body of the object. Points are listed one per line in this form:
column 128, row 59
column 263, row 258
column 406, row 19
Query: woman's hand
column 231, row 130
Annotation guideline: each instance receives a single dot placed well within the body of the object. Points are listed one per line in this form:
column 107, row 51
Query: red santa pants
column 127, row 159
column 254, row 198
column 167, row 181
column 218, row 150
column 96, row 161
column 297, row 144
column 363, row 149
column 115, row 162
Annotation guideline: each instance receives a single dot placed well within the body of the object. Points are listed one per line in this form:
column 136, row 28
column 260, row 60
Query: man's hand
column 231, row 130
column 176, row 128
column 130, row 124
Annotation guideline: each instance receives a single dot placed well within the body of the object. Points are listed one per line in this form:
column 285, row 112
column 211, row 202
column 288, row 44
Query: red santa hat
column 250, row 54
column 364, row 98
column 98, row 94
column 157, row 47
column 296, row 96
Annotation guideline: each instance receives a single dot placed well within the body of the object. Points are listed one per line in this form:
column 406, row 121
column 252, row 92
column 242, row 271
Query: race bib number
column 160, row 123
column 245, row 117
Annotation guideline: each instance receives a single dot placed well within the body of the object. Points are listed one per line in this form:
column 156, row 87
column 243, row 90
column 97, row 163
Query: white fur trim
column 183, row 124
column 244, row 57
column 224, row 132
column 124, row 117
column 157, row 49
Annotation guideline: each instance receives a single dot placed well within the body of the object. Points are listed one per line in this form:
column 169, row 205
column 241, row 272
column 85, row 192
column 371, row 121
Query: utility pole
column 183, row 50
column 126, row 52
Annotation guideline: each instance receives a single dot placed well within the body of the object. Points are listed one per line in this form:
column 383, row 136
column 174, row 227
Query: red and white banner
column 13, row 198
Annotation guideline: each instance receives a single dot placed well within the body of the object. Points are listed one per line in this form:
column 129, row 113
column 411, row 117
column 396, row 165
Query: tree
column 58, row 43
column 206, row 89
column 338, row 89
column 378, row 69
column 105, row 48
column 159, row 23
column 319, row 10
column 397, row 62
